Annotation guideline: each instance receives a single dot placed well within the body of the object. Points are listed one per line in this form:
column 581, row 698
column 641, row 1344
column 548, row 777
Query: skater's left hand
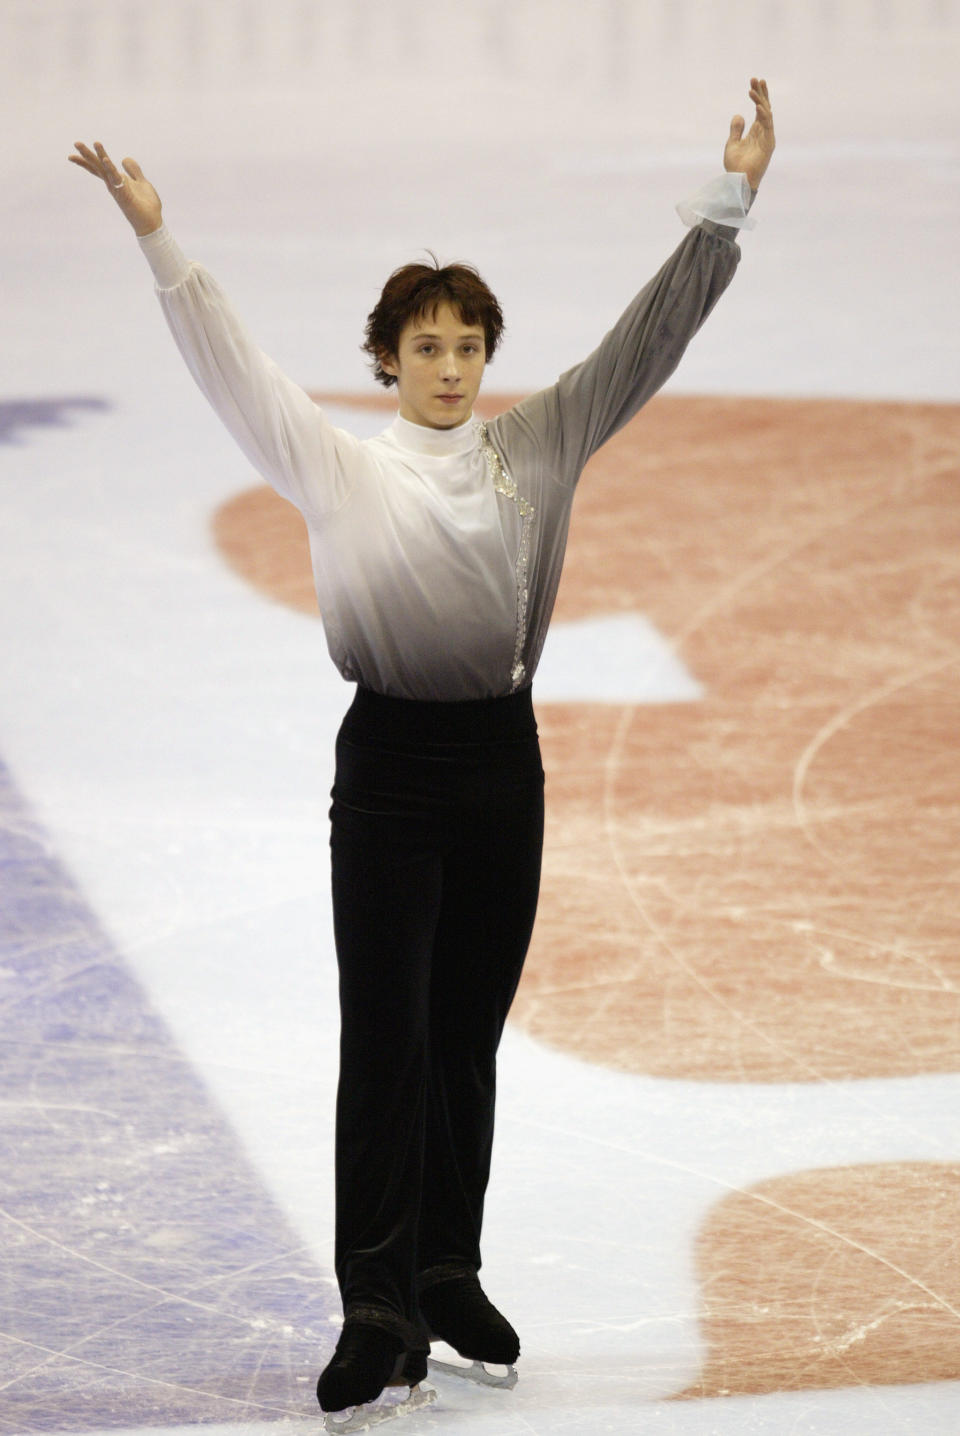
column 750, row 153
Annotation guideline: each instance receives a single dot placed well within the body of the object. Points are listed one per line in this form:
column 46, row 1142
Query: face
column 438, row 367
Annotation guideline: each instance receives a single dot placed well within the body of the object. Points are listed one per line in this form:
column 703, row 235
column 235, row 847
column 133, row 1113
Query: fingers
column 736, row 127
column 760, row 95
column 111, row 174
column 97, row 162
column 86, row 159
column 90, row 159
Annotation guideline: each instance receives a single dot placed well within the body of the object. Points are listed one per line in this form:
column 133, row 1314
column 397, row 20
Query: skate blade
column 504, row 1377
column 364, row 1418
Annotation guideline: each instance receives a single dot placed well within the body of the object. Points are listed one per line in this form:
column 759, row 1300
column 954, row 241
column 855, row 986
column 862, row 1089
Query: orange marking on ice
column 848, row 1276
column 761, row 886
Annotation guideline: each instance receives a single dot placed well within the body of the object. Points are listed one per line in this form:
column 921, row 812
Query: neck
column 424, row 439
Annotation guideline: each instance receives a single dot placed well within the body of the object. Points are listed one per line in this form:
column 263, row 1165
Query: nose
column 449, row 369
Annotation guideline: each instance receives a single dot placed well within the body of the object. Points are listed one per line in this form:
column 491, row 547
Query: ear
column 388, row 363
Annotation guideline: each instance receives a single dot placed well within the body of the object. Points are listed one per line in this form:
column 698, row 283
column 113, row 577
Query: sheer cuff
column 725, row 200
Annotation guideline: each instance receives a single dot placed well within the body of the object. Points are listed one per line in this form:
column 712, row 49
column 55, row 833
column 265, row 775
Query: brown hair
column 417, row 290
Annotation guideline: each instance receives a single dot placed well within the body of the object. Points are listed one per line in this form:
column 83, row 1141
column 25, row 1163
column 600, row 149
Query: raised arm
column 569, row 421
column 276, row 424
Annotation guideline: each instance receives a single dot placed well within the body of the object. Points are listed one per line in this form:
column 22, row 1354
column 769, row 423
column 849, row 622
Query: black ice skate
column 352, row 1391
column 457, row 1312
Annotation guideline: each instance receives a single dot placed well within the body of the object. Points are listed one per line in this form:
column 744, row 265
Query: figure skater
column 436, row 550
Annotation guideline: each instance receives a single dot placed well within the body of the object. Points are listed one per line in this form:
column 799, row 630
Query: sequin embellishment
column 504, row 484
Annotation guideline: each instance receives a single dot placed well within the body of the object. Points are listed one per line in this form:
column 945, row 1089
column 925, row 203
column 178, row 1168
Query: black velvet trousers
column 436, row 840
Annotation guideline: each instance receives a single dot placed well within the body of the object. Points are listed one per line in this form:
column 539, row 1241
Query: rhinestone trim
column 506, row 485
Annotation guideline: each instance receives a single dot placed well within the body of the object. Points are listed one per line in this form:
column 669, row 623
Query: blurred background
column 546, row 141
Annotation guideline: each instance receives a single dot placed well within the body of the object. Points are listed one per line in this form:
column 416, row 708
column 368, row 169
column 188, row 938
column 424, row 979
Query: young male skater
column 437, row 550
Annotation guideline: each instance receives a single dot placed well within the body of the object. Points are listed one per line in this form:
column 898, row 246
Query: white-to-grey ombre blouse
column 437, row 552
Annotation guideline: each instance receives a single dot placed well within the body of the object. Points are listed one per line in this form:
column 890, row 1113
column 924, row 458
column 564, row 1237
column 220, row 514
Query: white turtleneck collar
column 441, row 443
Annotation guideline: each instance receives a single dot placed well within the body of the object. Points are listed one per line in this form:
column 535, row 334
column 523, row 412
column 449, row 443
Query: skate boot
column 457, row 1312
column 367, row 1360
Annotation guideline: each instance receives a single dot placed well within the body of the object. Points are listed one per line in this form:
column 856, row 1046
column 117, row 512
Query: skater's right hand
column 134, row 194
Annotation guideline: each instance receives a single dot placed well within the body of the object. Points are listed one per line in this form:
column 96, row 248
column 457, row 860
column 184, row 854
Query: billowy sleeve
column 560, row 427
column 283, row 433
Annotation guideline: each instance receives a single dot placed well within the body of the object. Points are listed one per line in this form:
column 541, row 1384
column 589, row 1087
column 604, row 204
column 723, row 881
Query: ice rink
column 726, row 1189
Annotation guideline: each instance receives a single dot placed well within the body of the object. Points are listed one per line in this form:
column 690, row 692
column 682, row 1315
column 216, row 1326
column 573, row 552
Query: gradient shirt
column 437, row 552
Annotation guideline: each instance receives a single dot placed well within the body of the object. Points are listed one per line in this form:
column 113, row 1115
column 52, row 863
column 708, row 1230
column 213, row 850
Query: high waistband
column 416, row 720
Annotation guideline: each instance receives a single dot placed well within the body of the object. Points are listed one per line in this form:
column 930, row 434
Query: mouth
column 450, row 398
